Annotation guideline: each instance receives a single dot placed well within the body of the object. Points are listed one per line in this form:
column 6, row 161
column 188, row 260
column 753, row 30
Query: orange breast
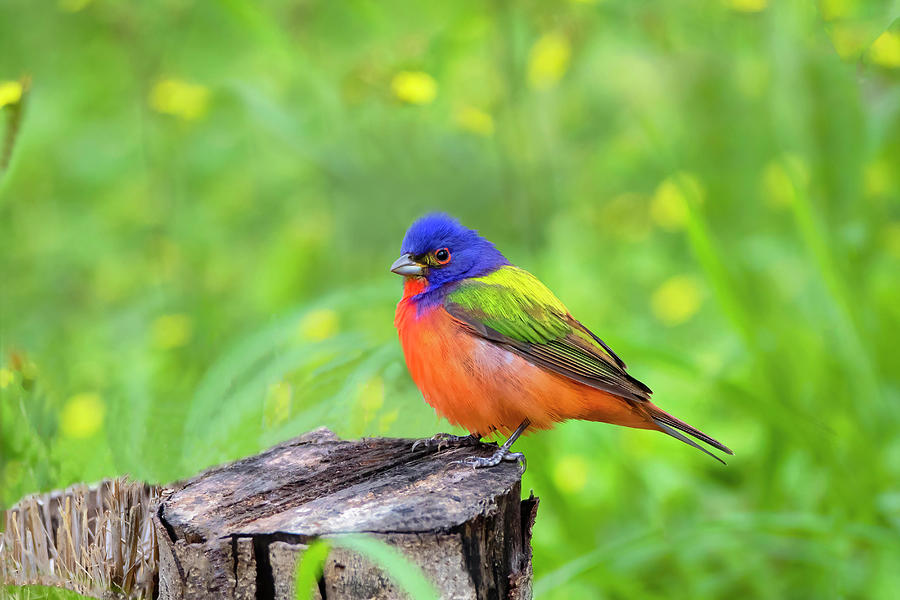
column 484, row 388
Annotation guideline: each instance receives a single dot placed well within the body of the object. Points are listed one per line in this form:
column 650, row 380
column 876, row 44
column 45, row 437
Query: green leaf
column 398, row 567
column 309, row 569
column 404, row 573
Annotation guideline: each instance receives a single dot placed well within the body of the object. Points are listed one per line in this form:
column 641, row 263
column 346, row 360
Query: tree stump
column 236, row 531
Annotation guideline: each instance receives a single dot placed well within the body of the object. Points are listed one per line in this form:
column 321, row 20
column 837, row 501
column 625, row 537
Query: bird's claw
column 481, row 462
column 444, row 439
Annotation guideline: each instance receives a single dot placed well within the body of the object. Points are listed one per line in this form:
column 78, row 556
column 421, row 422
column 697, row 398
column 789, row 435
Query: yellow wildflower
column 82, row 415
column 549, row 60
column 10, row 92
column 676, row 300
column 414, row 87
column 179, row 98
column 885, row 50
column 476, row 121
column 318, row 325
column 570, row 474
column 172, row 331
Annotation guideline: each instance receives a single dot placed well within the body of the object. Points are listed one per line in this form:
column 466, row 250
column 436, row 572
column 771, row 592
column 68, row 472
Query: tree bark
column 236, row 531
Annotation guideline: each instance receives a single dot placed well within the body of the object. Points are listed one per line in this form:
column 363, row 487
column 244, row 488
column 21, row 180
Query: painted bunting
column 493, row 350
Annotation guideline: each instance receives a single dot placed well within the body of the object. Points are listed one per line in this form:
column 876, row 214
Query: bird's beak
column 406, row 266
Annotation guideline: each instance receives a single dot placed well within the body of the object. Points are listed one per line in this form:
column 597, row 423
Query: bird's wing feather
column 512, row 308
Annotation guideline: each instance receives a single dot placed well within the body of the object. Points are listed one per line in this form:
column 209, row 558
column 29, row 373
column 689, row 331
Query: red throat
column 413, row 286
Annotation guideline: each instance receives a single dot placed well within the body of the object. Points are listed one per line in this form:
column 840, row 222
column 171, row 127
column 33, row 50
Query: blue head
column 442, row 251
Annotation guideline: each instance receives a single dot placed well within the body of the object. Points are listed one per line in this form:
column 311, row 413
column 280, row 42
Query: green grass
column 35, row 592
column 715, row 192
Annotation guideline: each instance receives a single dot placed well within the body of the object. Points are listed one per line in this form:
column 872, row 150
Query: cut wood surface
column 237, row 530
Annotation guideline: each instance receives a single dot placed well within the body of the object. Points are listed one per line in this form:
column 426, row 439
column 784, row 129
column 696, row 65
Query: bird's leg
column 502, row 453
column 439, row 440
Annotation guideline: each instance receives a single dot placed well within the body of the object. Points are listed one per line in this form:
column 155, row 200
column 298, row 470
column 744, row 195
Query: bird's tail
column 673, row 426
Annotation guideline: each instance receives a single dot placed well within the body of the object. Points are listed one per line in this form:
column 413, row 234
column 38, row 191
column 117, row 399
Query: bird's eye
column 442, row 256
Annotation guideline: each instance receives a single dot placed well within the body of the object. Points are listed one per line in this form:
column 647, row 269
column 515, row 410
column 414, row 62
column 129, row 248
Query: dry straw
column 96, row 540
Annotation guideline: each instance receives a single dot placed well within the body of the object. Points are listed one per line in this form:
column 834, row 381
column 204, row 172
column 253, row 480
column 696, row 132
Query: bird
column 494, row 351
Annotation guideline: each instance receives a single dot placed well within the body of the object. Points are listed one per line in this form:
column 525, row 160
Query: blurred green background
column 204, row 198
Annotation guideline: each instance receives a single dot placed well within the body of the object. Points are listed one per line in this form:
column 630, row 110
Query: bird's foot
column 441, row 440
column 501, row 455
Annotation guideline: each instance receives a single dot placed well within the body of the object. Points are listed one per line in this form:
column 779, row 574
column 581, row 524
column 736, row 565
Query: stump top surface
column 318, row 484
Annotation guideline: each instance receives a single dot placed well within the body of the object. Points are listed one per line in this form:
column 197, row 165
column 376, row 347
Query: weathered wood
column 236, row 531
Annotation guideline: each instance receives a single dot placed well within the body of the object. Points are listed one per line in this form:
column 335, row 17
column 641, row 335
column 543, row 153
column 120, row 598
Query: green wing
column 512, row 309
